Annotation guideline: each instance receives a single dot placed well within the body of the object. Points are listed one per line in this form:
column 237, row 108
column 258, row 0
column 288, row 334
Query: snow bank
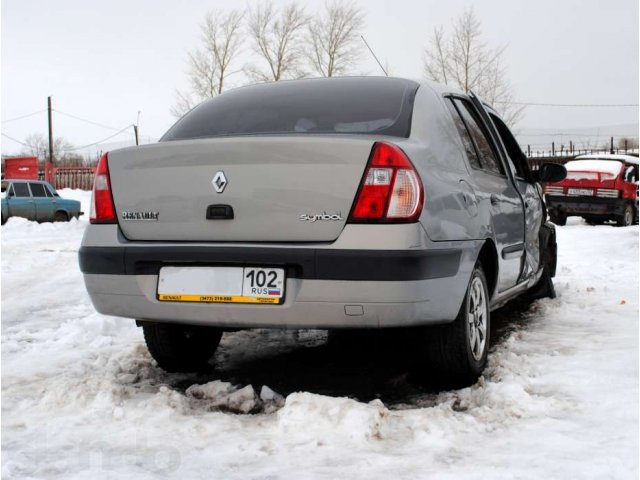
column 83, row 399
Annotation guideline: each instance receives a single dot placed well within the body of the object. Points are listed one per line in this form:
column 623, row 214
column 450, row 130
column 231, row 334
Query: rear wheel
column 559, row 219
column 627, row 217
column 60, row 217
column 458, row 350
column 181, row 348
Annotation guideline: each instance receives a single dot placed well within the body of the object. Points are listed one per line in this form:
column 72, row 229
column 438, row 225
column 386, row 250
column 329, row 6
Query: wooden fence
column 68, row 177
column 535, row 162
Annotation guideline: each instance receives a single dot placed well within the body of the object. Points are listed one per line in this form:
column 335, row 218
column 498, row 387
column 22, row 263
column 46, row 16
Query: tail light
column 607, row 193
column 102, row 208
column 391, row 190
column 553, row 190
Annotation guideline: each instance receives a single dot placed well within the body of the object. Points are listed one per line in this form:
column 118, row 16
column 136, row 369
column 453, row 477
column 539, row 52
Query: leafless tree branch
column 277, row 38
column 463, row 59
column 333, row 38
column 210, row 65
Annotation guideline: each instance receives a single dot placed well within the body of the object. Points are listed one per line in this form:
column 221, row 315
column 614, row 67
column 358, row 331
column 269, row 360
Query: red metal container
column 25, row 168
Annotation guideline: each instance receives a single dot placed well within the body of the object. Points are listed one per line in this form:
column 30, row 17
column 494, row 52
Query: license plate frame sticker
column 253, row 285
column 585, row 192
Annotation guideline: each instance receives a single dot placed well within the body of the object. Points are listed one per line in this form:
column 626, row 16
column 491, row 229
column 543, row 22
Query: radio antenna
column 374, row 55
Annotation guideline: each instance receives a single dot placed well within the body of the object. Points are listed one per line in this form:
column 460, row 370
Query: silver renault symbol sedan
column 322, row 203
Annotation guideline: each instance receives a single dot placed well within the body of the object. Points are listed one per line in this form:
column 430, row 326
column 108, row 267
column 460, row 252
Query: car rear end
column 291, row 205
column 591, row 189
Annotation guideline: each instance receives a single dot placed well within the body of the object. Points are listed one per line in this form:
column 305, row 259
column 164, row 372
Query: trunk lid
column 270, row 183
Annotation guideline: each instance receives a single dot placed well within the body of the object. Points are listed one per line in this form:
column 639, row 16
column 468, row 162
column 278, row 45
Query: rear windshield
column 363, row 105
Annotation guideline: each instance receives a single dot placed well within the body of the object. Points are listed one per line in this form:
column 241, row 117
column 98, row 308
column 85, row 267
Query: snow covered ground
column 81, row 397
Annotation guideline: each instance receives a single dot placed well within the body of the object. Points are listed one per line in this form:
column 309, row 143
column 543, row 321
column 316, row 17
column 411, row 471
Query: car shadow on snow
column 363, row 365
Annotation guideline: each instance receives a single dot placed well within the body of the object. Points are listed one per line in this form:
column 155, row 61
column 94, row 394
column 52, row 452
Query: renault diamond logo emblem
column 219, row 181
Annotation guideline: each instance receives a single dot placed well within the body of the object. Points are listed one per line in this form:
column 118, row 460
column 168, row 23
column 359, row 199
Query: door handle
column 494, row 199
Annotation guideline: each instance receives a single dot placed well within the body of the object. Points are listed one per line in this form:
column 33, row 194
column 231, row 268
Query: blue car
column 35, row 200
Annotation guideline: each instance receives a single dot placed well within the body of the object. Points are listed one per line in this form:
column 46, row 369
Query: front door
column 530, row 191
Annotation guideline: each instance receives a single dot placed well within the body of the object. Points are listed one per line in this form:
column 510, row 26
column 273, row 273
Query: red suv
column 598, row 188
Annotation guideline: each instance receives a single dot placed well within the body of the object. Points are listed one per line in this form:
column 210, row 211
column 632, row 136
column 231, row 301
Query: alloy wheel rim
column 627, row 216
column 477, row 319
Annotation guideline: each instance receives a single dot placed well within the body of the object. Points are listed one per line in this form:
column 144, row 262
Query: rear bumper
column 327, row 286
column 586, row 205
column 304, row 263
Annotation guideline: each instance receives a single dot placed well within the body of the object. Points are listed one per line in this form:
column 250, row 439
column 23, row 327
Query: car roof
column 23, row 180
column 609, row 156
column 435, row 86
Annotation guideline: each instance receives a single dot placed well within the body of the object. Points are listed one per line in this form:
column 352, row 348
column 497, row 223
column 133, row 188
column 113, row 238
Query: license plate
column 221, row 285
column 580, row 191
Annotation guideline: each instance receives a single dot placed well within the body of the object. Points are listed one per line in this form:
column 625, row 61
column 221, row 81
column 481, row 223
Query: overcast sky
column 105, row 61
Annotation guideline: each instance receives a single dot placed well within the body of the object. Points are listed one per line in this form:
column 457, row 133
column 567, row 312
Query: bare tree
column 628, row 143
column 463, row 59
column 212, row 63
column 37, row 145
column 277, row 39
column 334, row 38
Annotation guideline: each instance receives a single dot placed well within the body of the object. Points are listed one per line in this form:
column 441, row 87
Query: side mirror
column 550, row 172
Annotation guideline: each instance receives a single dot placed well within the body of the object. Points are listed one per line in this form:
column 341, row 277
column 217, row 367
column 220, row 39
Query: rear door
column 43, row 205
column 496, row 190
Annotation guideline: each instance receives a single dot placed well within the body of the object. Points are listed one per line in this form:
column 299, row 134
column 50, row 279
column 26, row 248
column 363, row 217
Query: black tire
column 627, row 217
column 450, row 353
column 559, row 219
column 4, row 220
column 60, row 217
column 181, row 348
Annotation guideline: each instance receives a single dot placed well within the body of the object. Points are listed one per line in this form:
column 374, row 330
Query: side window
column 488, row 156
column 472, row 155
column 37, row 190
column 21, row 190
column 514, row 153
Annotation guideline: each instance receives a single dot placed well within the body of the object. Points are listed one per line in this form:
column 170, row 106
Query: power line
column 15, row 140
column 85, row 120
column 579, row 105
column 101, row 141
column 24, row 116
column 588, row 135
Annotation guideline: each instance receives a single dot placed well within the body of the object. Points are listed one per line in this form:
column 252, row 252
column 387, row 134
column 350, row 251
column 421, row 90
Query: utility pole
column 135, row 127
column 50, row 130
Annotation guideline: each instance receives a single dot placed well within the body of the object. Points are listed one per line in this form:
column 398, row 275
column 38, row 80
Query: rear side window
column 464, row 135
column 488, row 156
column 21, row 190
column 37, row 190
column 381, row 106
